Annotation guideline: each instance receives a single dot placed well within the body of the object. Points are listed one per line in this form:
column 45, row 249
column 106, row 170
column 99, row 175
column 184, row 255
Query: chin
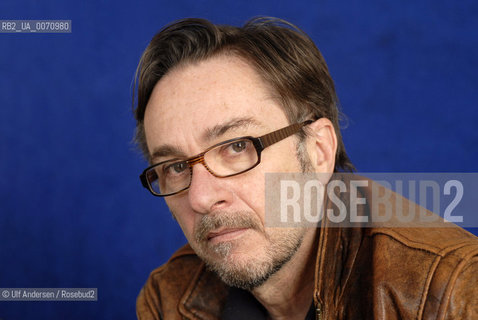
column 239, row 266
column 242, row 270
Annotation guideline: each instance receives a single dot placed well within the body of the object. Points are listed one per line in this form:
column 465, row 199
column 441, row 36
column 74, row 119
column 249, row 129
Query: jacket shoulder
column 437, row 266
column 440, row 240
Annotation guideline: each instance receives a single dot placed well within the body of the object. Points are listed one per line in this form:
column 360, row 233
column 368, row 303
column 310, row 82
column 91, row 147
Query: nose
column 207, row 192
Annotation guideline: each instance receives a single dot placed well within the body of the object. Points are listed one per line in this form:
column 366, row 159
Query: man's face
column 196, row 106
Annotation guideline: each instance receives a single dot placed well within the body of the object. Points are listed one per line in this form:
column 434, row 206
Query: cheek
column 252, row 192
column 252, row 185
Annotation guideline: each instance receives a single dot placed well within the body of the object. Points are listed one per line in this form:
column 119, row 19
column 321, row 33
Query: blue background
column 72, row 210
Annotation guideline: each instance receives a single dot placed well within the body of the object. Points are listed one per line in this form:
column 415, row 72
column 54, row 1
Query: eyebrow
column 233, row 124
column 164, row 151
column 209, row 135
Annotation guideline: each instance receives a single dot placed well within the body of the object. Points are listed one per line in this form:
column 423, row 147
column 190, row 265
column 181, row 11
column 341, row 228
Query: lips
column 225, row 234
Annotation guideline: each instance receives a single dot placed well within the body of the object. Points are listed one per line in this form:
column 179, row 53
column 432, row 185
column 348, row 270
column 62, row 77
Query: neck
column 289, row 292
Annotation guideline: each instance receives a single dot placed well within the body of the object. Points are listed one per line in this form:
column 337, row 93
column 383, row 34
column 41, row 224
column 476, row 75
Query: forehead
column 194, row 98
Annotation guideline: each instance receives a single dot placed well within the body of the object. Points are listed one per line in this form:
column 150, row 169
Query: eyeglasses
column 225, row 159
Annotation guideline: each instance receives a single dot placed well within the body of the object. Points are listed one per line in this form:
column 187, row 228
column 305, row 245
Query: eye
column 175, row 168
column 238, row 146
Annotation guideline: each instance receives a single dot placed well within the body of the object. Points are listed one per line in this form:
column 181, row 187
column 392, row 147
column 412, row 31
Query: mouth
column 225, row 235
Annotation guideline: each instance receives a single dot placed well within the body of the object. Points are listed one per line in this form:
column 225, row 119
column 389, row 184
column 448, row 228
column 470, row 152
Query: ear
column 322, row 145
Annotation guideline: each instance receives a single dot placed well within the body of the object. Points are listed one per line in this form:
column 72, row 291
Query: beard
column 242, row 268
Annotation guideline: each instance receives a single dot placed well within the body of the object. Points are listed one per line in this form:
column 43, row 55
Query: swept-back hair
column 285, row 58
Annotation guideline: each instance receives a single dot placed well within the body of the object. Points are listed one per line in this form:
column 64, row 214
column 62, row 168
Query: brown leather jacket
column 361, row 273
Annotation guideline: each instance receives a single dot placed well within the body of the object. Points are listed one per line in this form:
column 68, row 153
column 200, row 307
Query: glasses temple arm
column 278, row 135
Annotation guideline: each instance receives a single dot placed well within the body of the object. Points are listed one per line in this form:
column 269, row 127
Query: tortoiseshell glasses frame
column 225, row 159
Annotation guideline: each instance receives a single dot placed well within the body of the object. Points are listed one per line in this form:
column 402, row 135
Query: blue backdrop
column 72, row 211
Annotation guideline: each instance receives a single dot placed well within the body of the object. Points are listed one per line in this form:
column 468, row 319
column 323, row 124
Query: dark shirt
column 241, row 305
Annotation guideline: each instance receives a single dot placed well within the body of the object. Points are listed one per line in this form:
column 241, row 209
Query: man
column 218, row 108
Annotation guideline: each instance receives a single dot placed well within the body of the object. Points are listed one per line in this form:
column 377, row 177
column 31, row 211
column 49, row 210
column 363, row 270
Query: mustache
column 238, row 219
